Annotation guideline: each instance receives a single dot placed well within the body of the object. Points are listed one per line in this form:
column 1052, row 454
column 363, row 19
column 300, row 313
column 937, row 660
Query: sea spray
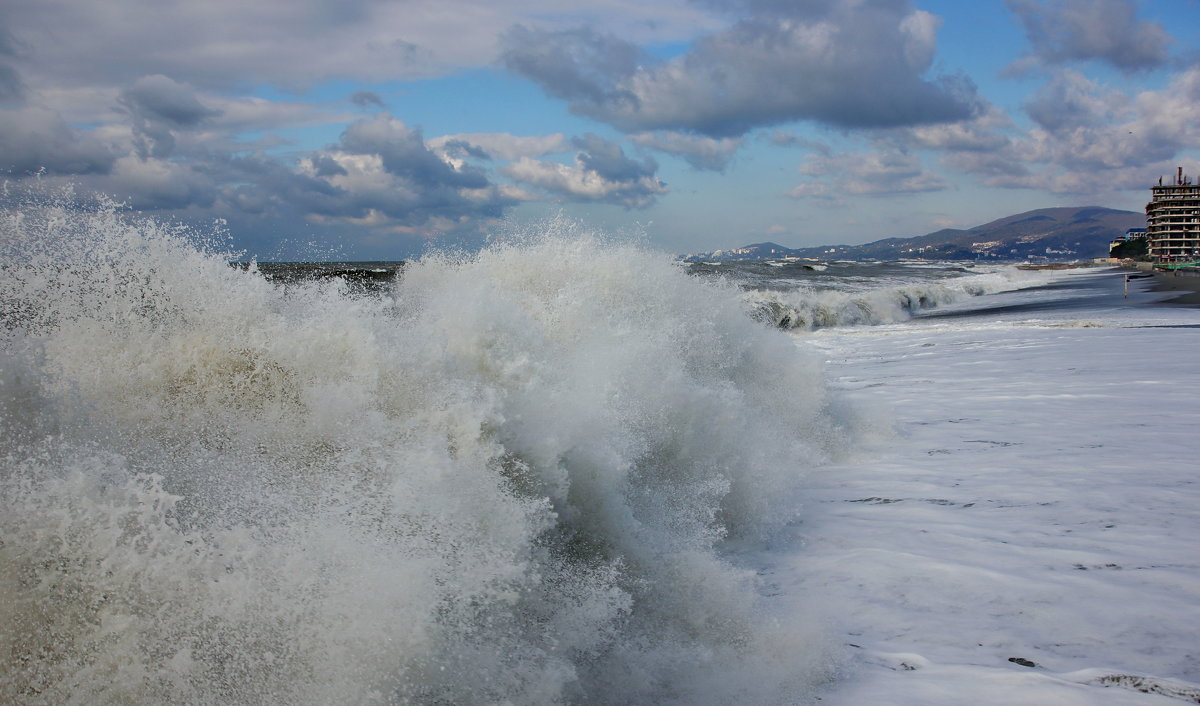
column 812, row 308
column 514, row 477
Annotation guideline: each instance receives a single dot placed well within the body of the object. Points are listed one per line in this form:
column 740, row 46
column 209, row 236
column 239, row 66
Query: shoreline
column 1011, row 489
column 1186, row 284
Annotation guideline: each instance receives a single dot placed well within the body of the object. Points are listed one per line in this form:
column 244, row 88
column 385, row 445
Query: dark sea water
column 372, row 275
column 790, row 294
column 521, row 476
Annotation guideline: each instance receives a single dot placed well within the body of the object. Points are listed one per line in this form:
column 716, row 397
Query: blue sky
column 374, row 129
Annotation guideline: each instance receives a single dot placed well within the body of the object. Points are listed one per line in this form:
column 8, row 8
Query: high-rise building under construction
column 1173, row 220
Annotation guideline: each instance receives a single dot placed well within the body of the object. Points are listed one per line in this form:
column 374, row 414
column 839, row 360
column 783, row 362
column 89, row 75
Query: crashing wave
column 514, row 478
column 808, row 308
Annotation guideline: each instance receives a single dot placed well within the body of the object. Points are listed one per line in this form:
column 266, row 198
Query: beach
column 1187, row 284
column 1029, row 535
column 571, row 470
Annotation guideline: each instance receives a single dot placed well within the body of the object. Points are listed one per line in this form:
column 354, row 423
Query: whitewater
column 567, row 469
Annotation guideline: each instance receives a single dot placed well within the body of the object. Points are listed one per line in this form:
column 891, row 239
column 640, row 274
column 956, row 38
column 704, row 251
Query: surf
column 522, row 475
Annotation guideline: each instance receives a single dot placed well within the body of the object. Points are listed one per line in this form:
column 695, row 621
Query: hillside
column 1067, row 233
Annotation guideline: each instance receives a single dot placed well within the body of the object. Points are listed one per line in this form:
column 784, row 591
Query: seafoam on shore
column 565, row 470
column 1030, row 533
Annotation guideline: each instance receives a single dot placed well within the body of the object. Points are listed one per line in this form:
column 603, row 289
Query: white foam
column 1029, row 534
column 517, row 478
column 879, row 302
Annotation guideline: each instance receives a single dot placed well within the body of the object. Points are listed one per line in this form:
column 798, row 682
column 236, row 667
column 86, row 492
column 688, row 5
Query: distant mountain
column 1041, row 235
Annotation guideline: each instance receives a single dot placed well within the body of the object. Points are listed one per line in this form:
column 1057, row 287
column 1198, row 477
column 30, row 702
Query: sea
column 570, row 469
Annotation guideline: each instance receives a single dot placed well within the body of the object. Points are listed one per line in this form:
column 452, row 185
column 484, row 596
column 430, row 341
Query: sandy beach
column 1186, row 283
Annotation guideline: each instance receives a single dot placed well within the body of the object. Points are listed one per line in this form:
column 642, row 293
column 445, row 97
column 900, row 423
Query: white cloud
column 36, row 139
column 883, row 172
column 503, row 145
column 600, row 172
column 853, row 64
column 1082, row 30
column 298, row 43
column 700, row 152
column 987, row 132
column 1102, row 141
column 153, row 184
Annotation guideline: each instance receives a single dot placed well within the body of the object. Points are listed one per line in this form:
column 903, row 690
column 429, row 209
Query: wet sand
column 1187, row 284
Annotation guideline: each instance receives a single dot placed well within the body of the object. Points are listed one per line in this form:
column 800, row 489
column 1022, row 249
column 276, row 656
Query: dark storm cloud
column 846, row 64
column 34, row 140
column 1081, row 30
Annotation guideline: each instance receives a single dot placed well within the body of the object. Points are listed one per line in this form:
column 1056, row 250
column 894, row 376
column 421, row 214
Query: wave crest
column 515, row 477
column 812, row 309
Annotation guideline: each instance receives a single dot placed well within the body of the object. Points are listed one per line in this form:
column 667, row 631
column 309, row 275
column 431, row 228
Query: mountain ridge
column 1055, row 233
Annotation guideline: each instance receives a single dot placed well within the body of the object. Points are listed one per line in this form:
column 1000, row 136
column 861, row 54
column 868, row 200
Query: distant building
column 1131, row 234
column 1173, row 220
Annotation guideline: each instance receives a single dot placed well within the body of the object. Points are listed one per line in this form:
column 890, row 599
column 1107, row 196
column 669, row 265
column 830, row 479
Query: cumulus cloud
column 500, row 145
column 1088, row 138
column 165, row 100
column 257, row 184
column 36, row 140
column 402, row 153
column 11, row 87
column 380, row 175
column 881, row 172
column 366, row 99
column 455, row 151
column 600, row 173
column 1070, row 101
column 222, row 43
column 381, row 171
column 703, row 153
column 1060, row 31
column 159, row 107
column 253, row 114
column 986, row 132
column 157, row 184
column 846, row 63
column 786, row 138
column 146, row 102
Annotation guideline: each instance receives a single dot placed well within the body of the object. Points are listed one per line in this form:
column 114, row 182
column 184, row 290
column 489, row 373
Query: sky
column 378, row 129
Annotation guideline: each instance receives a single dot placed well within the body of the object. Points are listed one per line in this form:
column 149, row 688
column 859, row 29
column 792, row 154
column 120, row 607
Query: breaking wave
column 516, row 477
column 808, row 308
